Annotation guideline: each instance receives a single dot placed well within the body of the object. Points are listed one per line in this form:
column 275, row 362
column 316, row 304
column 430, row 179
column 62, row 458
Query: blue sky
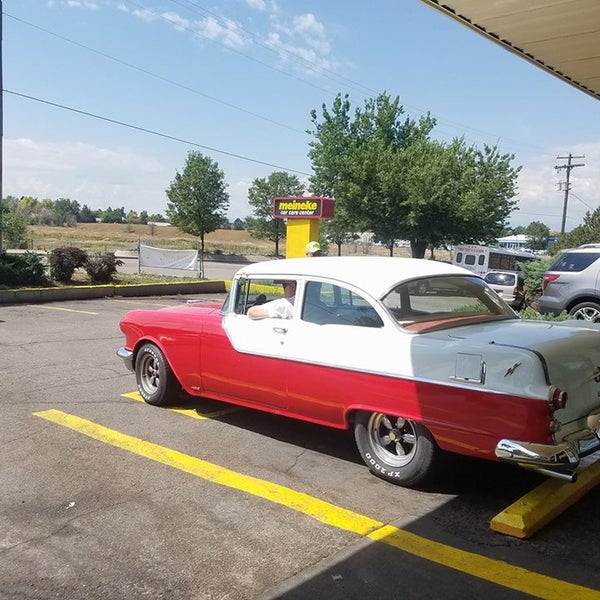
column 237, row 80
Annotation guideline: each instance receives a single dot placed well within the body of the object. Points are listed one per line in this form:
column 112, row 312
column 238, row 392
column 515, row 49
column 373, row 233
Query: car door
column 253, row 367
column 338, row 336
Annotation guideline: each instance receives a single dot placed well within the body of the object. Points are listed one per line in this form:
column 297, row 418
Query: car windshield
column 444, row 301
column 496, row 278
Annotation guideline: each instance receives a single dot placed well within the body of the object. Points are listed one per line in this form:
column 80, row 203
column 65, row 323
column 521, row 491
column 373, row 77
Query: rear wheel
column 587, row 311
column 156, row 382
column 396, row 449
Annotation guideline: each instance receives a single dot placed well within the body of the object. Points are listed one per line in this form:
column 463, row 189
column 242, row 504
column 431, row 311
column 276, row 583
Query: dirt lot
column 117, row 236
column 112, row 237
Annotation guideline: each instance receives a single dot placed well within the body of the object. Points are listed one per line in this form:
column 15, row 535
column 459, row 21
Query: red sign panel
column 303, row 207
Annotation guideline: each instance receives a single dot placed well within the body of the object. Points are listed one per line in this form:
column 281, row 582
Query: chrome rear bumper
column 556, row 460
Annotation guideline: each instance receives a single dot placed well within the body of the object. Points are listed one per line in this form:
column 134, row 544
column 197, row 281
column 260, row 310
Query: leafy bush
column 63, row 262
column 14, row 230
column 22, row 269
column 533, row 275
column 101, row 267
column 533, row 315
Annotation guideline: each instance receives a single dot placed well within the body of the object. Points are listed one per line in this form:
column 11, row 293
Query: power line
column 233, row 50
column 151, row 74
column 305, row 62
column 157, row 133
column 439, row 122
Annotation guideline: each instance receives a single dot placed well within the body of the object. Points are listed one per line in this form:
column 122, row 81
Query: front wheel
column 396, row 449
column 155, row 380
column 587, row 311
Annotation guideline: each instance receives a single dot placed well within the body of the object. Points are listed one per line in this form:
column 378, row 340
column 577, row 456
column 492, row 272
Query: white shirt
column 282, row 308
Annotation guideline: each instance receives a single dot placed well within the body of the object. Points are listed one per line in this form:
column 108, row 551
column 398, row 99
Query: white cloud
column 305, row 39
column 226, row 31
column 82, row 4
column 308, row 24
column 98, row 176
column 92, row 175
column 257, row 4
column 178, row 22
column 541, row 199
column 146, row 14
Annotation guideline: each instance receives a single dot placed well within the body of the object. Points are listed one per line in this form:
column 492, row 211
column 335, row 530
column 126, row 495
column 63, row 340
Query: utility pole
column 1, row 130
column 569, row 167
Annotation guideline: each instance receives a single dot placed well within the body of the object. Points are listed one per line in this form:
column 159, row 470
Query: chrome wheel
column 149, row 374
column 155, row 380
column 395, row 448
column 586, row 311
column 393, row 439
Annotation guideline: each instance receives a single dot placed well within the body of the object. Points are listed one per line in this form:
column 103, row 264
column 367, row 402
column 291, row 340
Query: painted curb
column 84, row 292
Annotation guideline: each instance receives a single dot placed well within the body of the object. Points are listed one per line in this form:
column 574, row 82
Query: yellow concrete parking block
column 543, row 504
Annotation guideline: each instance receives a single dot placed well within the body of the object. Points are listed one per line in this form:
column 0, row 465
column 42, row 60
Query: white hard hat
column 312, row 247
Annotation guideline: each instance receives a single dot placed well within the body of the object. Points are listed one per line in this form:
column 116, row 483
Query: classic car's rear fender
column 467, row 419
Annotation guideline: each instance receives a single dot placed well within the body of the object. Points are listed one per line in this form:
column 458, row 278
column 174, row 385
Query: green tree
column 262, row 224
column 586, row 233
column 144, row 217
column 390, row 178
column 114, row 215
column 86, row 215
column 537, row 234
column 66, row 212
column 339, row 230
column 239, row 225
column 14, row 229
column 198, row 198
column 330, row 153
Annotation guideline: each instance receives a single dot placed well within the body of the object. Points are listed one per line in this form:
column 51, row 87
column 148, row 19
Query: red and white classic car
column 416, row 356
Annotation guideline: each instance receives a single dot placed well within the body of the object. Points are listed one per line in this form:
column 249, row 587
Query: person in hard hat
column 282, row 308
column 313, row 249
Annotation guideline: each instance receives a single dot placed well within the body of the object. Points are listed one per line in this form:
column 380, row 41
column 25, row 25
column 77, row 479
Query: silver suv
column 572, row 283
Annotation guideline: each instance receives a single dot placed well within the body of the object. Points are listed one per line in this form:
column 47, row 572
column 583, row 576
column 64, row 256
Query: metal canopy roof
column 560, row 36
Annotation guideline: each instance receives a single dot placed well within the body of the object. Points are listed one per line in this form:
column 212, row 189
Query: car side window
column 328, row 304
column 574, row 261
column 253, row 292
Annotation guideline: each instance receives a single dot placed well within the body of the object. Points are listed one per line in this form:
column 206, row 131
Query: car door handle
column 280, row 329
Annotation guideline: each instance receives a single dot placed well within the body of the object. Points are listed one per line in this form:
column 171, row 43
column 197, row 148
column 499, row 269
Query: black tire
column 586, row 311
column 395, row 449
column 155, row 380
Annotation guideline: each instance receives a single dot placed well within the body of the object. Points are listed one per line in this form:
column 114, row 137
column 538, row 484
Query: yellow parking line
column 521, row 519
column 318, row 509
column 83, row 312
column 492, row 570
column 190, row 412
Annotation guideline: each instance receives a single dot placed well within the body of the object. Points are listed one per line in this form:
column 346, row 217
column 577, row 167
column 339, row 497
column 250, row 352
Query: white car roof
column 374, row 274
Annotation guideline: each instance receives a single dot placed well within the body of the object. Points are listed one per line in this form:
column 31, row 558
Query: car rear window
column 574, row 261
column 500, row 278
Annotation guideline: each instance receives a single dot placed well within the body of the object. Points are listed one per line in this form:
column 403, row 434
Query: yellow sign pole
column 299, row 232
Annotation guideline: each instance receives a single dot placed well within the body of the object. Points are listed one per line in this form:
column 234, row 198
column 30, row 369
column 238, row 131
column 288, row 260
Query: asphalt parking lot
column 106, row 497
